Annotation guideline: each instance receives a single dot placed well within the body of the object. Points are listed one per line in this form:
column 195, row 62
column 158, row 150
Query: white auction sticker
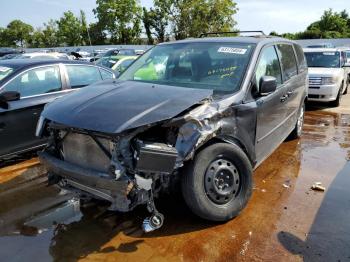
column 232, row 50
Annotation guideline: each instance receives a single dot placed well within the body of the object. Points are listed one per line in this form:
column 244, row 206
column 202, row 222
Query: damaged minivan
column 202, row 112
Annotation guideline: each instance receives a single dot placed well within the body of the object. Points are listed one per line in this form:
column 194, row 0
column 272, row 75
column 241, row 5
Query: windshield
column 5, row 71
column 217, row 66
column 323, row 59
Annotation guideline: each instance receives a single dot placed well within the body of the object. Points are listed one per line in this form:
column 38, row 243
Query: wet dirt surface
column 284, row 221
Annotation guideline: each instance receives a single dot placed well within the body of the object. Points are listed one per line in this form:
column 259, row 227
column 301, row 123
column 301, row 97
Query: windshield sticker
column 232, row 50
column 328, row 53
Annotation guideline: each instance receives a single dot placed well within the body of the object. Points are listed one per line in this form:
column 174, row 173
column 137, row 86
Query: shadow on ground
column 329, row 238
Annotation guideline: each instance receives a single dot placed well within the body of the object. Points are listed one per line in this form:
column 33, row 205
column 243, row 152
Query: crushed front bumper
column 100, row 185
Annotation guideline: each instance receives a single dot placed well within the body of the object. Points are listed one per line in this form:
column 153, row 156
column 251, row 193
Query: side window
column 288, row 60
column 301, row 58
column 80, row 75
column 106, row 74
column 36, row 81
column 268, row 65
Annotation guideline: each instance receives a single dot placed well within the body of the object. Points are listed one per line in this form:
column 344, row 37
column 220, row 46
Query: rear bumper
column 98, row 184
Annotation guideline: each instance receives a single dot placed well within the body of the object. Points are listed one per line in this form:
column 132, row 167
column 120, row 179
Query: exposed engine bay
column 128, row 169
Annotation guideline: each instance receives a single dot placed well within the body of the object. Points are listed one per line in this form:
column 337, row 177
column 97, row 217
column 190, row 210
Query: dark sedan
column 26, row 86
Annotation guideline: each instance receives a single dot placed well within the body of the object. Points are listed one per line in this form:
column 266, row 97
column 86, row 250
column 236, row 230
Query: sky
column 268, row 15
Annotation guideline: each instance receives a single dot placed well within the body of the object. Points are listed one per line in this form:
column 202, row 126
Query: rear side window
column 80, row 76
column 268, row 65
column 36, row 81
column 301, row 58
column 288, row 60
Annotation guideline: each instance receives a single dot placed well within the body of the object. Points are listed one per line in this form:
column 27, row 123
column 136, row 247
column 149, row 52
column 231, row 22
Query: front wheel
column 217, row 184
column 336, row 102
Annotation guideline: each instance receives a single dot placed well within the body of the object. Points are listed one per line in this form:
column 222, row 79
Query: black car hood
column 115, row 106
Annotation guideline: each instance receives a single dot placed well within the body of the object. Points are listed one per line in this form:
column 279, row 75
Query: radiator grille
column 315, row 81
column 82, row 150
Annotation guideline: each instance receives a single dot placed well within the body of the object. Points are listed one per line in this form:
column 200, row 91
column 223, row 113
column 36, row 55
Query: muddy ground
column 284, row 221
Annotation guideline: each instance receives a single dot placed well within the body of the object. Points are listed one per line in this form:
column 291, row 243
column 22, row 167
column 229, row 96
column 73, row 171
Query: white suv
column 327, row 74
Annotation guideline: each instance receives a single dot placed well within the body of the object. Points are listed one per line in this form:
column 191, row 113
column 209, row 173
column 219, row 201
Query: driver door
column 18, row 123
column 271, row 109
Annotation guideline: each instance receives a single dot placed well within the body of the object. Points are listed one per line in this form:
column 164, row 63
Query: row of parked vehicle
column 202, row 113
column 116, row 59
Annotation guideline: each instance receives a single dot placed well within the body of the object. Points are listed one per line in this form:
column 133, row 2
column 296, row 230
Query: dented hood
column 115, row 106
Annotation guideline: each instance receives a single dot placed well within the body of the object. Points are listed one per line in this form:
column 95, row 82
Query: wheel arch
column 228, row 140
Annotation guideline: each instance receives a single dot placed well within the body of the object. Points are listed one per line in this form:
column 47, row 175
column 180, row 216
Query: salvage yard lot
column 284, row 221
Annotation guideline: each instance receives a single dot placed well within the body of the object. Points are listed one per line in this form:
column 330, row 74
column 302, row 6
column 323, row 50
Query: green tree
column 85, row 34
column 37, row 39
column 69, row 29
column 97, row 34
column 121, row 18
column 3, row 40
column 50, row 34
column 18, row 33
column 160, row 18
column 147, row 23
column 191, row 18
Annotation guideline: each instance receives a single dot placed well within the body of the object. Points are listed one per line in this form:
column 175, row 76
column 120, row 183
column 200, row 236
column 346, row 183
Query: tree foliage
column 191, row 18
column 121, row 18
column 331, row 25
column 69, row 29
column 17, row 33
column 125, row 22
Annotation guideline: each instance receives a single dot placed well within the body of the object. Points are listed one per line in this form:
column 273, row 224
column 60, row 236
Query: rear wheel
column 296, row 133
column 217, row 184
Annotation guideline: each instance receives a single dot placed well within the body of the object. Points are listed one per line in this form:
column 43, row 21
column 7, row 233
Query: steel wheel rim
column 222, row 181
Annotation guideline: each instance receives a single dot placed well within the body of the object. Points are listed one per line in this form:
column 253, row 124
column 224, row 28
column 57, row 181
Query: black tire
column 195, row 182
column 336, row 102
column 297, row 131
column 346, row 89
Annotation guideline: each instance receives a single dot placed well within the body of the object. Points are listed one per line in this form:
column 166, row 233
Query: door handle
column 283, row 98
column 289, row 93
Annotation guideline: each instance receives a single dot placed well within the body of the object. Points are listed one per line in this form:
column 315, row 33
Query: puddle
column 39, row 224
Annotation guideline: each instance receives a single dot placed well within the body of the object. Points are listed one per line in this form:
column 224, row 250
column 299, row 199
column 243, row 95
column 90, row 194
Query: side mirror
column 8, row 96
column 268, row 85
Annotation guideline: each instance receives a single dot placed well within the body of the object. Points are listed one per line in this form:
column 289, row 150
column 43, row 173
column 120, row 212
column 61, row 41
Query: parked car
column 346, row 52
column 7, row 51
column 122, row 64
column 322, row 45
column 8, row 56
column 26, row 86
column 215, row 112
column 43, row 55
column 327, row 76
column 111, row 57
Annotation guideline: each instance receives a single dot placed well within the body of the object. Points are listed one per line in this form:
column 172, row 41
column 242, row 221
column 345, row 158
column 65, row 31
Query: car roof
column 314, row 50
column 23, row 63
column 43, row 53
column 344, row 48
column 238, row 39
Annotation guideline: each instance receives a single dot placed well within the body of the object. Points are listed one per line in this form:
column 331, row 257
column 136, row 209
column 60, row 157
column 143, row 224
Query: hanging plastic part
column 155, row 221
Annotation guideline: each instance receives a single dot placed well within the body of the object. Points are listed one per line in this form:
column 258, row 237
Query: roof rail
column 230, row 32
